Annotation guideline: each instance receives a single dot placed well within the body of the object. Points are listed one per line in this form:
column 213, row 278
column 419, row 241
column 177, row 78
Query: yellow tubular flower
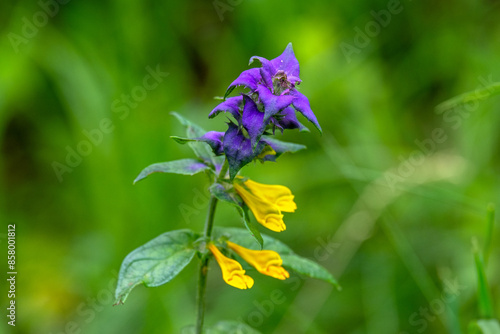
column 267, row 262
column 266, row 202
column 276, row 194
column 232, row 272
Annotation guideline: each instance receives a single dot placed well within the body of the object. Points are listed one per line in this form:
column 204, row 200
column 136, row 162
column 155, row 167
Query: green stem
column 202, row 277
column 223, row 171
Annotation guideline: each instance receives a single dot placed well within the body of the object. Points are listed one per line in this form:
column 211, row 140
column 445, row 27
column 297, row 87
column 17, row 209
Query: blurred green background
column 387, row 201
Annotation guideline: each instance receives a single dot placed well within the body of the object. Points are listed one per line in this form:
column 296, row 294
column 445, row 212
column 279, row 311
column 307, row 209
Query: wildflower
column 266, row 202
column 266, row 262
column 232, row 272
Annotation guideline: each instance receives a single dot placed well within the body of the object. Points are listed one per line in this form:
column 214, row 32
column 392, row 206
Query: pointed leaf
column 200, row 149
column 220, row 192
column 182, row 140
column 183, row 166
column 212, row 138
column 291, row 260
column 308, row 268
column 281, row 147
column 229, row 90
column 156, row 262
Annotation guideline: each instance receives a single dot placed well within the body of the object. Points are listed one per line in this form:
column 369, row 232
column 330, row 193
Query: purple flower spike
column 272, row 103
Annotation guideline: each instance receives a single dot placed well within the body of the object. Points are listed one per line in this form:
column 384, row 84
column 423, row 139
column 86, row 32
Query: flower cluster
column 271, row 103
column 266, row 262
column 267, row 202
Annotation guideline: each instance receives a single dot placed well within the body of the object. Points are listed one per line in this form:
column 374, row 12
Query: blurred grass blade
column 485, row 326
column 233, row 327
column 223, row 327
column 489, row 232
column 484, row 298
column 473, row 96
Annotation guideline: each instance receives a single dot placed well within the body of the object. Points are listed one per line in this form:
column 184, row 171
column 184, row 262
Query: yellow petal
column 232, row 272
column 265, row 212
column 286, row 203
column 274, row 222
column 276, row 194
column 267, row 262
column 278, row 272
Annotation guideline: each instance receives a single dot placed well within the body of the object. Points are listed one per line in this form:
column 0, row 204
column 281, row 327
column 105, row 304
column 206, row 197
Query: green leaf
column 201, row 149
column 281, row 147
column 214, row 145
column 308, row 268
column 291, row 260
column 222, row 194
column 183, row 166
column 182, row 140
column 229, row 91
column 156, row 262
column 477, row 95
column 485, row 326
